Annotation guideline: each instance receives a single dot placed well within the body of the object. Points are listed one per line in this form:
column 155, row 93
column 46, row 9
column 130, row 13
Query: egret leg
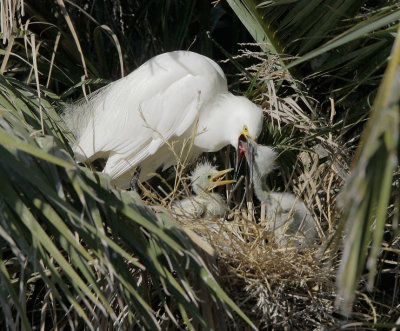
column 134, row 180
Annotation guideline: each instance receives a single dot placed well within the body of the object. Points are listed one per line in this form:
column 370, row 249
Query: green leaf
column 12, row 142
column 367, row 193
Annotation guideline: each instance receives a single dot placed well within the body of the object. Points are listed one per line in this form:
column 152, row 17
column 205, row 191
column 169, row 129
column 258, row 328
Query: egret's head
column 206, row 177
column 246, row 122
column 221, row 122
column 246, row 119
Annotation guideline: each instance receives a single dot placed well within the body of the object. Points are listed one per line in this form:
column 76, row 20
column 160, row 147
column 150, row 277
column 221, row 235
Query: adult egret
column 145, row 119
column 288, row 219
column 204, row 178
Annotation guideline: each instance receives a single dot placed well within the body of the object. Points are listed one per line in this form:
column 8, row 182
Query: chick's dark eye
column 209, row 176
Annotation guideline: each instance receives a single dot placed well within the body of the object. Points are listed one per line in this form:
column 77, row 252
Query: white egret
column 288, row 219
column 144, row 119
column 204, row 203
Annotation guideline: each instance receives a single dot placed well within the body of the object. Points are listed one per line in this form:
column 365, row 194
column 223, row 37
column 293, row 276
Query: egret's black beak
column 251, row 151
column 241, row 150
column 246, row 146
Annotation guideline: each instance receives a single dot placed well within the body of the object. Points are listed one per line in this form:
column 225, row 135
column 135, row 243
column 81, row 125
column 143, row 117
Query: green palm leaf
column 367, row 193
column 317, row 38
column 91, row 246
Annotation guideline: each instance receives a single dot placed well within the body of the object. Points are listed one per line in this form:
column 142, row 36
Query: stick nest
column 278, row 288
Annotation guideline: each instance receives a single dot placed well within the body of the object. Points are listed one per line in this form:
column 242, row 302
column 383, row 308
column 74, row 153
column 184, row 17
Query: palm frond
column 368, row 191
column 325, row 40
column 97, row 256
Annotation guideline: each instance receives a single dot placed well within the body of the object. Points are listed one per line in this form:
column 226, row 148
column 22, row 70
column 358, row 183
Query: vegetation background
column 76, row 253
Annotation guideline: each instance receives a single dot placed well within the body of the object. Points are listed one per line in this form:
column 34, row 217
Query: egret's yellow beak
column 217, row 179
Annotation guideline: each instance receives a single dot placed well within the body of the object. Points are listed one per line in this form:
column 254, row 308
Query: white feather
column 131, row 120
column 203, row 203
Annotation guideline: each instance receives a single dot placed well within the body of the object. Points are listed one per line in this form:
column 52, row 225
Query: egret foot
column 134, row 181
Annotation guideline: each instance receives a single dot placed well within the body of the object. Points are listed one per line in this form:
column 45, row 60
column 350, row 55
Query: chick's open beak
column 217, row 179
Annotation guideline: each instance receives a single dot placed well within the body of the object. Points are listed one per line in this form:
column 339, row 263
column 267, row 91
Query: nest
column 278, row 288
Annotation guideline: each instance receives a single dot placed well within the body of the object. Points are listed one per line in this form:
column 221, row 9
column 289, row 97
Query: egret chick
column 147, row 118
column 204, row 203
column 288, row 219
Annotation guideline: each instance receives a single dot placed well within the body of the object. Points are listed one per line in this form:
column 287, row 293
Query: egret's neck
column 197, row 189
column 260, row 188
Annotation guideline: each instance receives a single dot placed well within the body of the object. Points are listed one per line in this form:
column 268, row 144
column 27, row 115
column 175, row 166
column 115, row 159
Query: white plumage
column 136, row 120
column 203, row 203
column 287, row 217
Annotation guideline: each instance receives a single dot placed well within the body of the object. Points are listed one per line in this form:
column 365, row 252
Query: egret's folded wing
column 168, row 114
column 136, row 114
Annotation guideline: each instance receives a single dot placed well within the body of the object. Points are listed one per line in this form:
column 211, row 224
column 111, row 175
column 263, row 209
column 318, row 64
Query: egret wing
column 135, row 116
